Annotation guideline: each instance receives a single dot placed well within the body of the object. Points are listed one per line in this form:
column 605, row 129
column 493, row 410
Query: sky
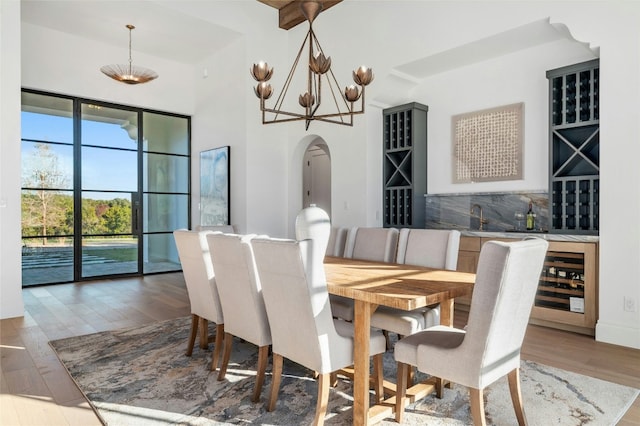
column 102, row 169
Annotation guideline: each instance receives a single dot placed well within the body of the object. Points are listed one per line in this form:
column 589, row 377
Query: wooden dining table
column 407, row 287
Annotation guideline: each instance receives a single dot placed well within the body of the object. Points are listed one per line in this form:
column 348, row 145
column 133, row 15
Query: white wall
column 519, row 77
column 11, row 304
column 266, row 172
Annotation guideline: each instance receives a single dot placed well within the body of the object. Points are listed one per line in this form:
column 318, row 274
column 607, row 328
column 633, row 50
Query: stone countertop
column 545, row 235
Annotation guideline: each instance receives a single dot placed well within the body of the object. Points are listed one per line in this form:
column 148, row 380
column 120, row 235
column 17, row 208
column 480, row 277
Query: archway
column 316, row 176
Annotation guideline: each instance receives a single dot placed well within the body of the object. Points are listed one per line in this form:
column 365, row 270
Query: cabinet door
column 468, row 255
column 468, row 261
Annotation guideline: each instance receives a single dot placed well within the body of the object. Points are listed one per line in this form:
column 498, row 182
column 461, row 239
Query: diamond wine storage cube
column 574, row 148
column 404, row 165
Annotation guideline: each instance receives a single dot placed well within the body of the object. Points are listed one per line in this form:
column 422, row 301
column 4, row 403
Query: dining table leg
column 446, row 312
column 362, row 324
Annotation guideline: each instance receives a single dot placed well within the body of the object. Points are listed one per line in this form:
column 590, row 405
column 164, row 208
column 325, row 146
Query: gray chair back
column 239, row 287
column 433, row 248
column 193, row 251
column 377, row 244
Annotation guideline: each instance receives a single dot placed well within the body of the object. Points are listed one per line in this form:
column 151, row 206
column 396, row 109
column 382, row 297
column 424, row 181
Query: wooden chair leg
column 323, row 398
column 276, row 376
column 334, row 379
column 192, row 335
column 410, row 375
column 516, row 396
column 226, row 355
column 217, row 346
column 385, row 333
column 440, row 383
column 378, row 378
column 263, row 357
column 401, row 391
column 204, row 334
column 477, row 407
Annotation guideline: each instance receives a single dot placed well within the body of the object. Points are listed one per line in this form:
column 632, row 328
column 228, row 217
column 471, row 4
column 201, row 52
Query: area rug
column 141, row 376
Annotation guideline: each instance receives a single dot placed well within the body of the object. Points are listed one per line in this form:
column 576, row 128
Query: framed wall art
column 214, row 186
column 487, row 144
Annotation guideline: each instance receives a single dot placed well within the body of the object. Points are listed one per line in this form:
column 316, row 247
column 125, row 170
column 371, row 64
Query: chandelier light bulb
column 306, row 100
column 351, row 93
column 263, row 90
column 320, row 64
column 261, row 71
column 363, row 76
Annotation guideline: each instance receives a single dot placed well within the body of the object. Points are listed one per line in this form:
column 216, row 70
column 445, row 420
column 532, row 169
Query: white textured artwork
column 487, row 144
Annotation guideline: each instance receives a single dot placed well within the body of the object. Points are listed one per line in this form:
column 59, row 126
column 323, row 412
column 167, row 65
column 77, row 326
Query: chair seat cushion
column 398, row 321
column 341, row 307
column 377, row 342
column 406, row 349
column 431, row 316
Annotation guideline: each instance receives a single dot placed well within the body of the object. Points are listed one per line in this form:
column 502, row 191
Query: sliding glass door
column 104, row 186
column 108, row 197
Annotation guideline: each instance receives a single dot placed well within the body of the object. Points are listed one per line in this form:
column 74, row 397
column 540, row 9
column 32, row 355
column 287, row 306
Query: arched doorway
column 316, row 176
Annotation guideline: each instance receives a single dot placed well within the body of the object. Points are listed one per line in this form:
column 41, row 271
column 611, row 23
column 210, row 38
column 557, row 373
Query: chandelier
column 319, row 66
column 127, row 73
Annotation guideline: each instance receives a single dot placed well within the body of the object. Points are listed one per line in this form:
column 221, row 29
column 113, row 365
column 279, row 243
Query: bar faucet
column 480, row 216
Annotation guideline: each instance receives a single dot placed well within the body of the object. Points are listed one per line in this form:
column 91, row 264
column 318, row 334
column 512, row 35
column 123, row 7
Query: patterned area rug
column 140, row 376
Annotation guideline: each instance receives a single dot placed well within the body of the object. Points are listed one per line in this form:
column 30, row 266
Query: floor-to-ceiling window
column 165, row 165
column 103, row 187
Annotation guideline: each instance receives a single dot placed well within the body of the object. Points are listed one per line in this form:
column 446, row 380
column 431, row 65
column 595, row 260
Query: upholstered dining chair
column 193, row 251
column 489, row 348
column 241, row 297
column 313, row 223
column 302, row 327
column 229, row 229
column 377, row 244
column 337, row 241
column 432, row 248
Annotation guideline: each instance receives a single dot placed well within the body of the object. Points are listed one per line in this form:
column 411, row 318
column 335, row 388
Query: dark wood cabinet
column 404, row 165
column 574, row 148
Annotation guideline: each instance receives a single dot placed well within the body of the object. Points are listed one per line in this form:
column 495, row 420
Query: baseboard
column 618, row 335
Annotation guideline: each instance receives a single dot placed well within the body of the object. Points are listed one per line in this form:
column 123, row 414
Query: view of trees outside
column 74, row 148
column 47, row 208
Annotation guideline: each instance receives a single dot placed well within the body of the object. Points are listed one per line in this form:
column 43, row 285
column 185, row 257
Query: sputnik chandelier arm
column 319, row 65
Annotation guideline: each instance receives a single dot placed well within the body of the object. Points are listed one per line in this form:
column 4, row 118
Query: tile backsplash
column 453, row 211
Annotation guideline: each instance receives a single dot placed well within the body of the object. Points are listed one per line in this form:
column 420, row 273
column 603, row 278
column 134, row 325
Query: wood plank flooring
column 36, row 390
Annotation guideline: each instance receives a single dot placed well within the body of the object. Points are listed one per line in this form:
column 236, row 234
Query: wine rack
column 404, row 165
column 568, row 288
column 561, row 283
column 574, row 182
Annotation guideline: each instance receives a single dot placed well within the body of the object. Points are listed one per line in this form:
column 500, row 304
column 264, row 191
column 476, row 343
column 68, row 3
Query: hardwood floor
column 36, row 390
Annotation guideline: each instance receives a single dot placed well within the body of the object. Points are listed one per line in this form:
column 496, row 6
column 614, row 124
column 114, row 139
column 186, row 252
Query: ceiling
column 179, row 31
column 164, row 29
column 289, row 11
column 161, row 30
column 516, row 39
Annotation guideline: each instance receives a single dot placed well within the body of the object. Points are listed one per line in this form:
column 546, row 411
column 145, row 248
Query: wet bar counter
column 518, row 235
